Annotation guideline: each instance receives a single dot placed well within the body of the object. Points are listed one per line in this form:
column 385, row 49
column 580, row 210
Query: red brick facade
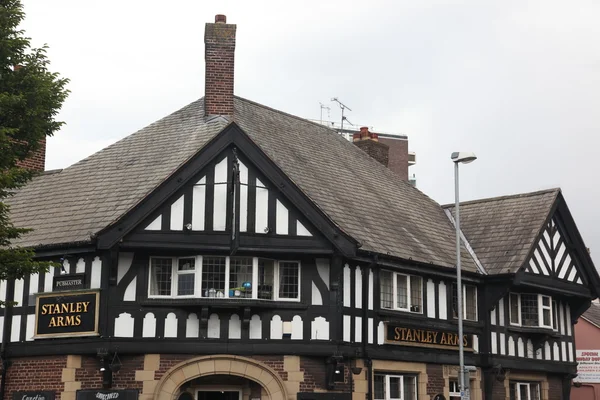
column 35, row 373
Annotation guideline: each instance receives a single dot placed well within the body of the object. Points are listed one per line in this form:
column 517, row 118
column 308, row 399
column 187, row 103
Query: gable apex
column 217, row 157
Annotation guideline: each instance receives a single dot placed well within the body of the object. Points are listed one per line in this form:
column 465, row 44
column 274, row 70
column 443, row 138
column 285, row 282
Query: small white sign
column 588, row 366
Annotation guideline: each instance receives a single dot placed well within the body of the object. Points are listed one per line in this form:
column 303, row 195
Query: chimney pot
column 220, row 19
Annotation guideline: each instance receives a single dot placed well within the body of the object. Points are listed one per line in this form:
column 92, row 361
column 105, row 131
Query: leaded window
column 395, row 387
column 401, row 292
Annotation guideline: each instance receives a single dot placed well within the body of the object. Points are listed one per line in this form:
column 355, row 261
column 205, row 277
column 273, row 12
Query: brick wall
column 35, row 373
column 90, row 377
column 397, row 156
column 435, row 379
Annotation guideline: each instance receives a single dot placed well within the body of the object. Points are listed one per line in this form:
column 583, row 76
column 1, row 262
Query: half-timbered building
column 233, row 251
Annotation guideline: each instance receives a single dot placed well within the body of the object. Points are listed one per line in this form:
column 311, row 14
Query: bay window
column 532, row 310
column 224, row 277
column 524, row 391
column 395, row 387
column 401, row 292
column 469, row 298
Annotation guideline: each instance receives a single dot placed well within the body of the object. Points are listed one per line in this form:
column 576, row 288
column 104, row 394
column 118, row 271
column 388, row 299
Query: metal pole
column 461, row 359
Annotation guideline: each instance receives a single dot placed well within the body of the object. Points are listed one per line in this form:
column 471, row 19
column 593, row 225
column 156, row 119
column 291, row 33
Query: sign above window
column 400, row 335
column 38, row 395
column 127, row 394
column 68, row 282
column 66, row 314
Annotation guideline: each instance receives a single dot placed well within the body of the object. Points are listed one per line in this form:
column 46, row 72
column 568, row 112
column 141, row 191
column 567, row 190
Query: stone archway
column 168, row 386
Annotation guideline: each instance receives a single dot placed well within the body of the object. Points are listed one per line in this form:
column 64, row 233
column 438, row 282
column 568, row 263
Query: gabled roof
column 593, row 314
column 502, row 230
column 363, row 198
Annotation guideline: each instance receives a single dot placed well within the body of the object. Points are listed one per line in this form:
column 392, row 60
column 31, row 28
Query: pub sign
column 98, row 394
column 66, row 314
column 37, row 395
column 397, row 334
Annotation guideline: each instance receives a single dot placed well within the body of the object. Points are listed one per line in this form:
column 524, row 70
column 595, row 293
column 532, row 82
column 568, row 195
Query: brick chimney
column 369, row 143
column 37, row 161
column 219, row 49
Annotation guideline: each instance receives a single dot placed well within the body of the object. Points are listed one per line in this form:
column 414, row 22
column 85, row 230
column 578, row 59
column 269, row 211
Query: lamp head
column 463, row 157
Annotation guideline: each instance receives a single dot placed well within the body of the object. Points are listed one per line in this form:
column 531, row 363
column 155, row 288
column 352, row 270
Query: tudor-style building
column 233, row 251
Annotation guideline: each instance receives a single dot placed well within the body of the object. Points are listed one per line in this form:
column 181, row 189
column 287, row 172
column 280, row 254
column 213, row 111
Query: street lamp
column 460, row 158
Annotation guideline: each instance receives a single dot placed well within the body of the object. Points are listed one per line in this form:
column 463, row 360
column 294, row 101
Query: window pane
column 288, row 280
column 514, row 308
column 529, row 310
column 546, row 301
column 385, row 278
column 186, row 264
column 266, row 279
column 547, row 317
column 185, row 284
column 471, row 302
column 416, row 294
column 240, row 277
column 535, row 391
column 523, row 391
column 410, row 387
column 394, row 387
column 213, row 276
column 401, row 288
column 160, row 284
column 379, row 387
column 512, row 391
column 554, row 316
column 454, row 393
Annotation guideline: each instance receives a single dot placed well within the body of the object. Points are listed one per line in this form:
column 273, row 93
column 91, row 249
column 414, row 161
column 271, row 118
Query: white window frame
column 409, row 304
column 540, row 310
column 452, row 394
column 276, row 283
column 528, row 384
column 464, row 303
column 555, row 315
column 542, row 307
column 510, row 299
column 175, row 277
column 386, row 381
column 198, row 279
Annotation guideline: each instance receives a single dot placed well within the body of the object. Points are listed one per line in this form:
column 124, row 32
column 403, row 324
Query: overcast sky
column 516, row 82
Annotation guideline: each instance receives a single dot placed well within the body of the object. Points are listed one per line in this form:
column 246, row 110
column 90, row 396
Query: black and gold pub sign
column 397, row 334
column 66, row 314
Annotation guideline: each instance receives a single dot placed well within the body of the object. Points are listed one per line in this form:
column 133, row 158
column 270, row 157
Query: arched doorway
column 220, row 377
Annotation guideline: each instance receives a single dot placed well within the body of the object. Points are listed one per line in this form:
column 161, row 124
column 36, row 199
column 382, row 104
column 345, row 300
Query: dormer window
column 224, row 277
column 401, row 292
column 532, row 310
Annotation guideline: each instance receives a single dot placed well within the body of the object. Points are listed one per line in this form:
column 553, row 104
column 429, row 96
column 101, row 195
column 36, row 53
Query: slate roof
column 593, row 314
column 363, row 198
column 502, row 230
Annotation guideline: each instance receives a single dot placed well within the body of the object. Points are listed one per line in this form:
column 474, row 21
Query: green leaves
column 30, row 98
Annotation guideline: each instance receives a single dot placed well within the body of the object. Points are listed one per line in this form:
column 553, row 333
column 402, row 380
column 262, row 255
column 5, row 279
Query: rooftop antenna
column 323, row 106
column 343, row 107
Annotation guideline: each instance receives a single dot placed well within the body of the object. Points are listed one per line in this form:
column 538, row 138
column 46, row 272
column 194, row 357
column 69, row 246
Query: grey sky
column 517, row 82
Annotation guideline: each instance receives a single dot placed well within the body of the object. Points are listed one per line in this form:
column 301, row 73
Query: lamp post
column 460, row 158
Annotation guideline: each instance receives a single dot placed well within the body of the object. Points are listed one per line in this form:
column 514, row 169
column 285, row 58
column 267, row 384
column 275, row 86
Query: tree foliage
column 30, row 99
